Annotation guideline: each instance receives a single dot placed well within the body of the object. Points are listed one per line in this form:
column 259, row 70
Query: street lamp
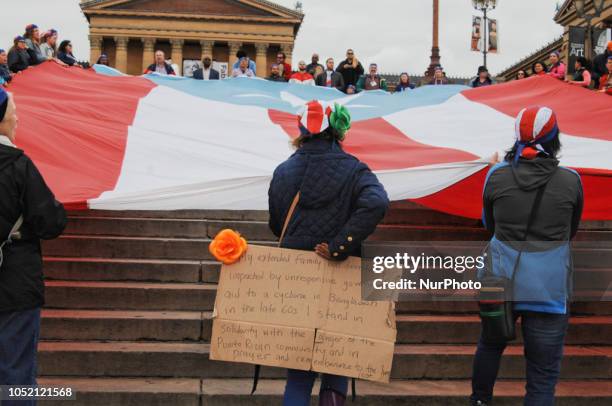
column 580, row 5
column 485, row 6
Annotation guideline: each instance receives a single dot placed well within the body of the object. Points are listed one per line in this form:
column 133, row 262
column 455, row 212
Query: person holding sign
column 325, row 200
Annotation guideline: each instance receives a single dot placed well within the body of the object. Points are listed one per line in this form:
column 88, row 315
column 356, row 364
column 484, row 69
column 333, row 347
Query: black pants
column 18, row 345
column 543, row 336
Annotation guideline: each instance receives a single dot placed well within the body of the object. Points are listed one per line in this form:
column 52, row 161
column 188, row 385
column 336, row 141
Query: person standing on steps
column 324, row 200
column 529, row 197
column 28, row 213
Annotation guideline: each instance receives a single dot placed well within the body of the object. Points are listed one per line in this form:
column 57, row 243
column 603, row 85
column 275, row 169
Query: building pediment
column 565, row 11
column 241, row 8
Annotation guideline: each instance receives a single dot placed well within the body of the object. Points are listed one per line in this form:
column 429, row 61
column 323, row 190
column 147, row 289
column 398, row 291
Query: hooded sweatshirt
column 23, row 192
column 508, row 197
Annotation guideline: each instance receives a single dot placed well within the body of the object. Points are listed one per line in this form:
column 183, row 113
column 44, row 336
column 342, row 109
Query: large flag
column 109, row 141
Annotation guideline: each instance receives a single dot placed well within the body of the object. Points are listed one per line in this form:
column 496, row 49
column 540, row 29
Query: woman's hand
column 494, row 160
column 323, row 250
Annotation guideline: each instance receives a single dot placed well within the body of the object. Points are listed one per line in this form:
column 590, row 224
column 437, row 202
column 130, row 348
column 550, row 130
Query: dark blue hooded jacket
column 341, row 200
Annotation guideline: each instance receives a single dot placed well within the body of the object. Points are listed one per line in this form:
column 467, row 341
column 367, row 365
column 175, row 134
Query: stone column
column 261, row 59
column 207, row 48
column 121, row 54
column 148, row 52
column 287, row 49
column 177, row 54
column 95, row 44
column 233, row 48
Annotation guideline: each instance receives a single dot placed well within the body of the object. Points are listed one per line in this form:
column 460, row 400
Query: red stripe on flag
column 73, row 123
column 579, row 111
column 464, row 198
column 381, row 145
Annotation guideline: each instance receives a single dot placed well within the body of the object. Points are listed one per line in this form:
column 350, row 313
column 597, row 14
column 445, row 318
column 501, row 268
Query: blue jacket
column 341, row 200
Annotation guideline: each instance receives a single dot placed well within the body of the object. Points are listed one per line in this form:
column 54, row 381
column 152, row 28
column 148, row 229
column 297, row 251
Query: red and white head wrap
column 313, row 117
column 534, row 126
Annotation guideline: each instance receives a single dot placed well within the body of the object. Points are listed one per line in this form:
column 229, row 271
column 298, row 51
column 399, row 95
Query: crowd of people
column 32, row 48
column 596, row 75
column 349, row 76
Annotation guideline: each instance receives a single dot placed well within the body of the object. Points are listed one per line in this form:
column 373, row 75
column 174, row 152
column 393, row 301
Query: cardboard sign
column 293, row 309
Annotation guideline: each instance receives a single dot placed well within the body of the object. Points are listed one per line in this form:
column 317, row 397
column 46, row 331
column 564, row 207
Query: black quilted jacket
column 341, row 200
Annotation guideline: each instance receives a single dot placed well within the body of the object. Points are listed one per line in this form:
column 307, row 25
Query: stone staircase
column 130, row 296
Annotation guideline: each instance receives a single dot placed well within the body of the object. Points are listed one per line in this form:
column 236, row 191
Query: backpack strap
column 532, row 215
column 294, row 204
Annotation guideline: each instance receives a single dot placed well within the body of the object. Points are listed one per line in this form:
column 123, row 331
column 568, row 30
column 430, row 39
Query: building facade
column 130, row 31
column 567, row 17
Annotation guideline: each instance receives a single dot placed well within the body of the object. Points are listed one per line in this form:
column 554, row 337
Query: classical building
column 567, row 17
column 129, row 31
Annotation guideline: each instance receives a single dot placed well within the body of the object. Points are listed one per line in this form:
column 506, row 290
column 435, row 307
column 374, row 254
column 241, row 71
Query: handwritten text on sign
column 293, row 309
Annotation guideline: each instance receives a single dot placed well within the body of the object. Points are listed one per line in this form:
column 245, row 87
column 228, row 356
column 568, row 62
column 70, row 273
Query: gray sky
column 396, row 34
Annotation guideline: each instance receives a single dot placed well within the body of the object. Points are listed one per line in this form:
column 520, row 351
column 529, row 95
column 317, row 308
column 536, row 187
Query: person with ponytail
column 531, row 198
column 331, row 202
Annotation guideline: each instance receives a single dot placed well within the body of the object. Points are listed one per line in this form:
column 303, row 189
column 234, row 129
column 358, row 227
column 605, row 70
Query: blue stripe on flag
column 289, row 97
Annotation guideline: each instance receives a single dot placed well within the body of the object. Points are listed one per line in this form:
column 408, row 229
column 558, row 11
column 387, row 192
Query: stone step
column 239, row 215
column 470, row 307
column 126, row 391
column 404, row 212
column 129, row 296
column 465, row 329
column 164, row 227
column 407, row 212
column 93, row 295
column 132, row 247
column 119, row 269
column 122, row 325
column 585, row 255
column 259, row 230
column 125, row 325
column 411, row 232
column 191, row 360
column 236, row 392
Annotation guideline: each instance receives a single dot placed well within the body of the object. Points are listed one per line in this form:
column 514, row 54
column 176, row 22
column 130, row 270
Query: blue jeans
column 18, row 345
column 300, row 383
column 543, row 336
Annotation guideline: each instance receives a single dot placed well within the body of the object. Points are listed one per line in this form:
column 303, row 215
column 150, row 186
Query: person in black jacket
column 275, row 75
column 329, row 77
column 350, row 69
column 207, row 72
column 340, row 204
column 18, row 57
column 542, row 286
column 28, row 213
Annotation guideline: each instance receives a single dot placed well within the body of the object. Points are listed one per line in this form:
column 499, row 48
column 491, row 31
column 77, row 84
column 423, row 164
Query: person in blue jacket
column 542, row 283
column 340, row 203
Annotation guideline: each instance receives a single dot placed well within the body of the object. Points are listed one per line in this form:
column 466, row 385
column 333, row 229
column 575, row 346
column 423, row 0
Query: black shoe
column 330, row 397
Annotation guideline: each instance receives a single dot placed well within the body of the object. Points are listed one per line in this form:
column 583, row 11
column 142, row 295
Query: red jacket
column 303, row 78
column 603, row 82
column 286, row 71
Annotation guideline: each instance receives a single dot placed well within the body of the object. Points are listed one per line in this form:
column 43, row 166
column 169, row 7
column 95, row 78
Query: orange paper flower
column 228, row 246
